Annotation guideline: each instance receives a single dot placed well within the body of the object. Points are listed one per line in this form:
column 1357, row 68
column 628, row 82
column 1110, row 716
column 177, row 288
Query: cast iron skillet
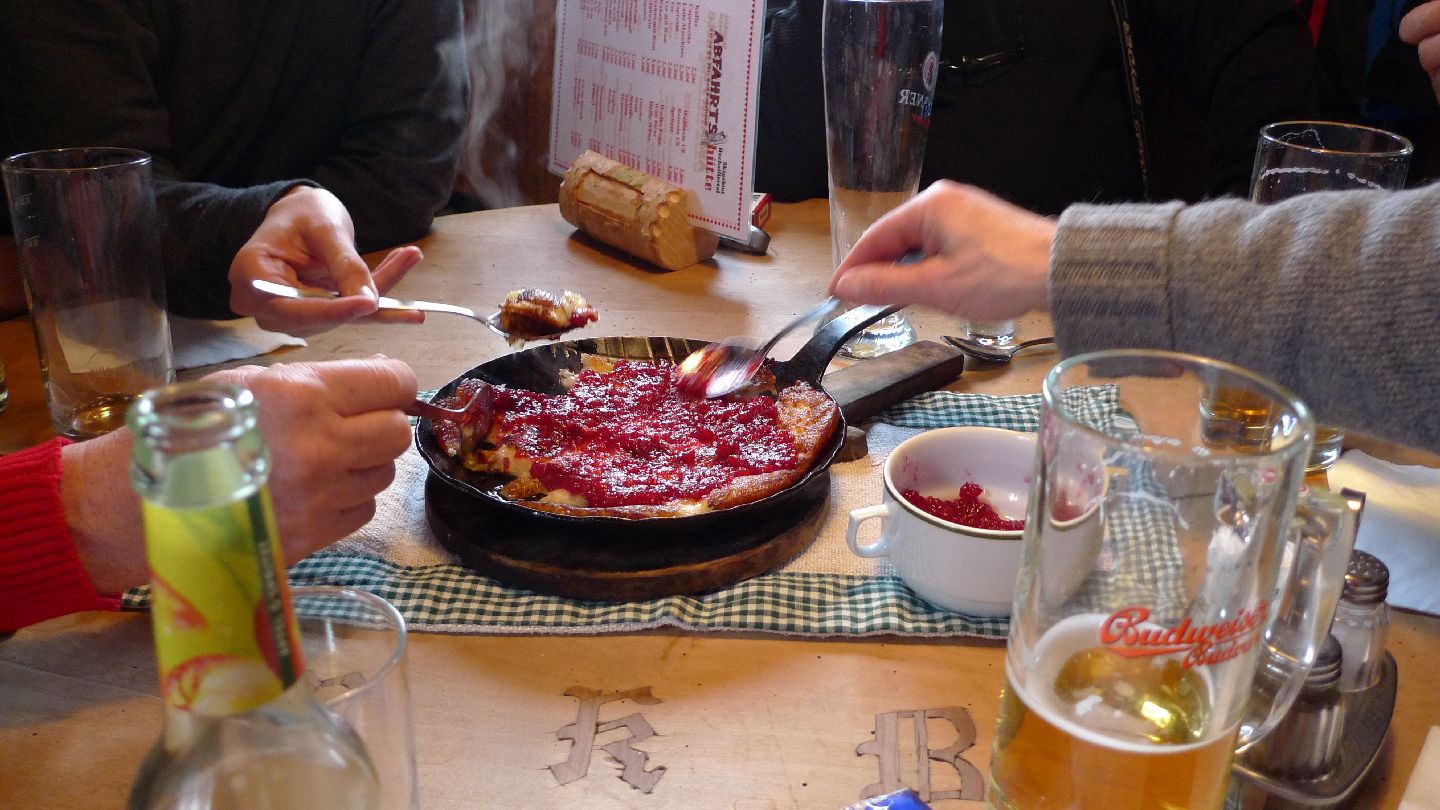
column 510, row 529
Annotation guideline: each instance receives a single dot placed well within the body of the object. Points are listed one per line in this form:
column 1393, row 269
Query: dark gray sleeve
column 57, row 50
column 1335, row 295
column 395, row 164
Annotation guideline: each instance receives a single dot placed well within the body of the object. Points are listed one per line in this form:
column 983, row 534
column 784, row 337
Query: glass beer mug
column 1165, row 559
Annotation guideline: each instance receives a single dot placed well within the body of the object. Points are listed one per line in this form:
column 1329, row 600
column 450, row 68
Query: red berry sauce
column 966, row 509
column 630, row 437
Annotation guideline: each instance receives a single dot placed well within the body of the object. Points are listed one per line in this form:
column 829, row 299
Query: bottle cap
column 1367, row 580
column 1326, row 671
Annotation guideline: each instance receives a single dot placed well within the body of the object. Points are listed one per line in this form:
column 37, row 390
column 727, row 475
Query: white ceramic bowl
column 956, row 567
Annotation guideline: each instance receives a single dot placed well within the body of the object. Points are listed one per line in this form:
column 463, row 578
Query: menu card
column 669, row 87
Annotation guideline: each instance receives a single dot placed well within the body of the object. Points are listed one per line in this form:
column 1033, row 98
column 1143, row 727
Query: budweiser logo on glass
column 1146, row 598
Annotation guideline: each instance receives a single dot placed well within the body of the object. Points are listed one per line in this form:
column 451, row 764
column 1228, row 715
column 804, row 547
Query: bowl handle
column 876, row 548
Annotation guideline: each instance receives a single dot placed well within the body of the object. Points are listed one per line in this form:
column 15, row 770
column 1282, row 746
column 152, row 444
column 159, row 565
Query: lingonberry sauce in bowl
column 951, row 516
column 967, row 508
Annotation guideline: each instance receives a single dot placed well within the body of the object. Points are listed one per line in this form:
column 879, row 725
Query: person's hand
column 307, row 239
column 985, row 258
column 334, row 430
column 1421, row 28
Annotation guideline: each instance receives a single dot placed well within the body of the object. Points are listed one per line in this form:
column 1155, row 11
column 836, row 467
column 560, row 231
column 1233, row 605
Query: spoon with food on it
column 531, row 314
column 527, row 314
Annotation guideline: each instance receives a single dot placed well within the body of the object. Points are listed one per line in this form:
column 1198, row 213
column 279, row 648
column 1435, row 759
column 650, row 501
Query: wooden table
column 741, row 722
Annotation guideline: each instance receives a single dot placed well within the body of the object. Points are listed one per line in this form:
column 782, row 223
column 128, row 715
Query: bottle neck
column 225, row 634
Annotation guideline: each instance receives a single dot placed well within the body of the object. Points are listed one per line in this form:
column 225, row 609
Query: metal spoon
column 720, row 368
column 989, row 353
column 286, row 291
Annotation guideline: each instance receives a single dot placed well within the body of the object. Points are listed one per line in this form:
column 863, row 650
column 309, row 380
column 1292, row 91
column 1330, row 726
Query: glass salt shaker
column 1361, row 621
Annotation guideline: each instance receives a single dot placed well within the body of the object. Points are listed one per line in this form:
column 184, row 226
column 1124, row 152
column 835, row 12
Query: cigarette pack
column 759, row 208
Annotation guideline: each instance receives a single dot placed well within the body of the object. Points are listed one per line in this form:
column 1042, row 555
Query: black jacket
column 239, row 101
column 1049, row 123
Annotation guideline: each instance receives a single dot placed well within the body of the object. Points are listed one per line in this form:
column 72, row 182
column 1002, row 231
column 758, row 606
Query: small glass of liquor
column 991, row 333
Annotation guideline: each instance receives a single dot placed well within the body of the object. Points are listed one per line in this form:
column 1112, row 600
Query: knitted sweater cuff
column 41, row 576
column 1109, row 277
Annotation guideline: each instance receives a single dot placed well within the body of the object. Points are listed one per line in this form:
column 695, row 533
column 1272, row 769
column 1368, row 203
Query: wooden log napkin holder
column 627, row 209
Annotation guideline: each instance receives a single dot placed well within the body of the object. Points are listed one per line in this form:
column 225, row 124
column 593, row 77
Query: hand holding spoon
column 720, row 368
column 514, row 335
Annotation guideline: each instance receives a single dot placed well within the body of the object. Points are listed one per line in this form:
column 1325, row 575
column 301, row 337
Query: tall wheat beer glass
column 1298, row 157
column 880, row 59
column 1148, row 587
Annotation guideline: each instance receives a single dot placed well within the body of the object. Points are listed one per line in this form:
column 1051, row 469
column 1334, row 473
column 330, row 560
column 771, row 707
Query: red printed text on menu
column 669, row 87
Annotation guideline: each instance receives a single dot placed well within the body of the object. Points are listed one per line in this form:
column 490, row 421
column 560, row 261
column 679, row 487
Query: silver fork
column 474, row 413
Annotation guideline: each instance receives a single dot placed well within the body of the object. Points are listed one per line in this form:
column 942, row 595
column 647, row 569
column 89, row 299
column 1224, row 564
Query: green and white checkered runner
column 826, row 591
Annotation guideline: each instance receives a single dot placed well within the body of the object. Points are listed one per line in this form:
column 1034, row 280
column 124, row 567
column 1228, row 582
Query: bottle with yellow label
column 242, row 728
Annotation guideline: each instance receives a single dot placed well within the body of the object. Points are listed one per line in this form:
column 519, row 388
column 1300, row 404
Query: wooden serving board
column 603, row 562
column 617, row 571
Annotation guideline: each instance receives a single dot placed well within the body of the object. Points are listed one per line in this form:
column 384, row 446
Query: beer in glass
column 1148, row 591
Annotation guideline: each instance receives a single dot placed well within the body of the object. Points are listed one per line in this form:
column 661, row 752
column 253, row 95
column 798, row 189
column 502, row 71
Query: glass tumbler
column 354, row 644
column 86, row 235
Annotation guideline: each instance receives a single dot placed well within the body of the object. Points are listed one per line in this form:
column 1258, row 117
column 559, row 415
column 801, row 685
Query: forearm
column 1286, row 290
column 102, row 512
column 41, row 571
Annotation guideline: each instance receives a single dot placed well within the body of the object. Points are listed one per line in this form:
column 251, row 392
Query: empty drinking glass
column 86, row 233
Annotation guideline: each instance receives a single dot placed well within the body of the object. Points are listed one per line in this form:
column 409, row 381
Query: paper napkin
column 1400, row 524
column 202, row 343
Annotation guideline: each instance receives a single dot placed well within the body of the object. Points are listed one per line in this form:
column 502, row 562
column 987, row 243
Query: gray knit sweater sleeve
column 1336, row 295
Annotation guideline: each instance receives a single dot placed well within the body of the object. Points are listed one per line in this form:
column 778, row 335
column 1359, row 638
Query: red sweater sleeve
column 40, row 572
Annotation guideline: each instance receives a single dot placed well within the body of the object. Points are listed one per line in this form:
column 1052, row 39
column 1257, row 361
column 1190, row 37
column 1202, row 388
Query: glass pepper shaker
column 1361, row 621
column 1305, row 744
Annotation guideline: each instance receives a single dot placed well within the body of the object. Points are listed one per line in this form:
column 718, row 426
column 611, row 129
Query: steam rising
column 508, row 42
